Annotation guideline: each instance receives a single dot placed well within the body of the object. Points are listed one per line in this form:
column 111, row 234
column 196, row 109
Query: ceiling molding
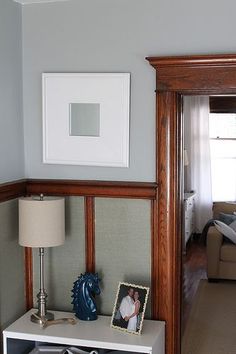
column 27, row 2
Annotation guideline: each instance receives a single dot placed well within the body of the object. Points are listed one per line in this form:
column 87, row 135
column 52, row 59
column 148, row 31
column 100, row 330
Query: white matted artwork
column 86, row 119
column 129, row 309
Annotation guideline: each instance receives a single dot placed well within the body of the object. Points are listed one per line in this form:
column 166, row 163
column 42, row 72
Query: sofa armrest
column 214, row 243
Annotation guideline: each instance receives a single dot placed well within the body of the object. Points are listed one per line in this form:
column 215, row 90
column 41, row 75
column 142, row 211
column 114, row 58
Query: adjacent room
column 209, row 221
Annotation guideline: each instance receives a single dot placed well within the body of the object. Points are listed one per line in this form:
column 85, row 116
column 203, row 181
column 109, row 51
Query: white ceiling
column 25, row 2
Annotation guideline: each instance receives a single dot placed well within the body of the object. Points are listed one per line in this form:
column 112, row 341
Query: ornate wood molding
column 137, row 190
column 167, row 211
column 193, row 60
column 215, row 74
column 196, row 74
column 12, row 190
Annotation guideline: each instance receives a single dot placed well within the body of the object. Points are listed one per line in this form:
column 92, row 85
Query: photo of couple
column 130, row 307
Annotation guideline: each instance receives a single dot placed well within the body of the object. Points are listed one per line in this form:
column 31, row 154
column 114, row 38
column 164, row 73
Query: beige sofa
column 221, row 256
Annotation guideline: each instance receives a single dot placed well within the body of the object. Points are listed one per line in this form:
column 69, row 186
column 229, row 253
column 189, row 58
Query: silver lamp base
column 36, row 318
column 42, row 316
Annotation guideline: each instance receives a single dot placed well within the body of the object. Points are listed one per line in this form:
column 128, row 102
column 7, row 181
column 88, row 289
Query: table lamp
column 41, row 224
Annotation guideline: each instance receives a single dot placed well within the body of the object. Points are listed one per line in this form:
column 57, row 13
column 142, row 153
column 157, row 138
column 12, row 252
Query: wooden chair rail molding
column 175, row 76
column 12, row 190
column 138, row 190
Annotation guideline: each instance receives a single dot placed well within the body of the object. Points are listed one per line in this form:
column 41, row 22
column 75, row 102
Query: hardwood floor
column 194, row 269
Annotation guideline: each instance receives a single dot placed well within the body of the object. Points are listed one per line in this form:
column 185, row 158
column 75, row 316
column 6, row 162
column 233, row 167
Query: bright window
column 223, row 156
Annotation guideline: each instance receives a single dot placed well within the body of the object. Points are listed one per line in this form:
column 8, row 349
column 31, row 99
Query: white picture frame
column 109, row 93
column 140, row 295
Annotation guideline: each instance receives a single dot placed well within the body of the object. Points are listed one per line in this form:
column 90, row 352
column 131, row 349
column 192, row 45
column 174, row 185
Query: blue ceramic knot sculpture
column 83, row 291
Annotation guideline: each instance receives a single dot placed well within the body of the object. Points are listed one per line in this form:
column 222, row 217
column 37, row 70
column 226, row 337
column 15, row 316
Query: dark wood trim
column 138, row 190
column 194, row 61
column 155, row 301
column 28, row 278
column 154, row 261
column 215, row 74
column 167, row 170
column 223, row 104
column 12, row 190
column 90, row 233
column 196, row 74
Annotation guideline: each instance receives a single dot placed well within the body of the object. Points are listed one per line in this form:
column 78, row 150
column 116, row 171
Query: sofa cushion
column 228, row 253
column 227, row 218
column 227, row 230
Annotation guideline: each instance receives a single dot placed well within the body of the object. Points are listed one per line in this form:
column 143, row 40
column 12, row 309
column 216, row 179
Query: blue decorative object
column 83, row 291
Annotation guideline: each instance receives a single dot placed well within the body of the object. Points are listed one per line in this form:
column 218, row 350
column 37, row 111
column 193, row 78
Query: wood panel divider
column 89, row 234
column 136, row 190
column 154, row 261
column 28, row 278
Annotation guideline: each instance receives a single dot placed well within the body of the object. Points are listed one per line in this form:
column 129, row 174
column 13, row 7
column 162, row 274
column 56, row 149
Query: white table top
column 87, row 333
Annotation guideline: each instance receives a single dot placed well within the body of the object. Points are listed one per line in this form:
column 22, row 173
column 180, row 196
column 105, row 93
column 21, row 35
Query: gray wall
column 11, row 122
column 113, row 36
column 90, row 36
column 123, row 246
column 12, row 299
column 11, row 161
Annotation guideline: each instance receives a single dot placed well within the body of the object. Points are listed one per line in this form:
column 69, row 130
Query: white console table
column 23, row 335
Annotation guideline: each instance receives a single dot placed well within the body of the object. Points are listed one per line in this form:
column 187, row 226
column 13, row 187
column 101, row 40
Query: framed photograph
column 86, row 119
column 129, row 308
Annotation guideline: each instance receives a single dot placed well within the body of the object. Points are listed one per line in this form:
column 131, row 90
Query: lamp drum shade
column 41, row 222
